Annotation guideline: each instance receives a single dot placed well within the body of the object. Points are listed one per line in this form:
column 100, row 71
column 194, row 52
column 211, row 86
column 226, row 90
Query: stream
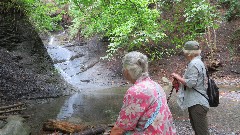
column 80, row 68
column 98, row 96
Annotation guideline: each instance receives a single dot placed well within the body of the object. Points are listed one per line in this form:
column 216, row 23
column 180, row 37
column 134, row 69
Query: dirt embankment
column 26, row 70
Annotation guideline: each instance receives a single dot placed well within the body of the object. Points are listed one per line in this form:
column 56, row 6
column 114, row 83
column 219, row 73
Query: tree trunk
column 62, row 126
column 215, row 39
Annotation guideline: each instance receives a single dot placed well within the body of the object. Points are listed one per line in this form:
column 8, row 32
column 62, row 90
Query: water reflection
column 68, row 107
column 101, row 106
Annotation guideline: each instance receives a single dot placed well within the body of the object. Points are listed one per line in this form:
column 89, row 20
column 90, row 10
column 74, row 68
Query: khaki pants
column 198, row 119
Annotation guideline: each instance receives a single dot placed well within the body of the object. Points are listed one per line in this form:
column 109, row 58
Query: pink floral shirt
column 140, row 102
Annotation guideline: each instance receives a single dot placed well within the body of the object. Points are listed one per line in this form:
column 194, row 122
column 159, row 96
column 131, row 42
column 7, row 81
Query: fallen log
column 63, row 126
column 12, row 110
column 5, row 117
column 92, row 131
column 44, row 97
column 11, row 106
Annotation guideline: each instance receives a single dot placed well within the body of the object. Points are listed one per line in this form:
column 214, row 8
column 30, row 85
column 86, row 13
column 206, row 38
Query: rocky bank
column 26, row 70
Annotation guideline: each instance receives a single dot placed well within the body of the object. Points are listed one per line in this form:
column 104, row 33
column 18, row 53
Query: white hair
column 136, row 63
column 192, row 52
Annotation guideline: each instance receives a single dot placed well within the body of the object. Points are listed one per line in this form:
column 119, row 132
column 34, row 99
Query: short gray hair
column 136, row 63
column 192, row 52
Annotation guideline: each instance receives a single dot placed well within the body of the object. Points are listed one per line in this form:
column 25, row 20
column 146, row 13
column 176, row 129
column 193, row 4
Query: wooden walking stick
column 175, row 85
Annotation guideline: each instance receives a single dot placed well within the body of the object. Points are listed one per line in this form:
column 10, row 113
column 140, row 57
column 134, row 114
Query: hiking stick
column 175, row 85
column 170, row 94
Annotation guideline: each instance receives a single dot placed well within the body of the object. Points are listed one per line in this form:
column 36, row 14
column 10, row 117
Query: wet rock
column 85, row 81
column 15, row 126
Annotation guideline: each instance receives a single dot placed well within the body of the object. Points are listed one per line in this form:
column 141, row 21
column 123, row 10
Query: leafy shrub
column 40, row 14
column 233, row 7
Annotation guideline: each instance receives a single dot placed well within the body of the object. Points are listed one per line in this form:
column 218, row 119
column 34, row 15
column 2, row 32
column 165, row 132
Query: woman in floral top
column 145, row 110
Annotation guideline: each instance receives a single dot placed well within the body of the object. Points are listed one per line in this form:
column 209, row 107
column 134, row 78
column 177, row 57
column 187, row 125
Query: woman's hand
column 117, row 131
column 175, row 75
column 178, row 77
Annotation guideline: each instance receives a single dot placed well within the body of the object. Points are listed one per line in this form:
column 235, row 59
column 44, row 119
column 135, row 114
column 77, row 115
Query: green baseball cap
column 191, row 45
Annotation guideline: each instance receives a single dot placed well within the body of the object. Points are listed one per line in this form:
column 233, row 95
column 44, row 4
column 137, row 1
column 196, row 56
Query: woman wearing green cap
column 192, row 81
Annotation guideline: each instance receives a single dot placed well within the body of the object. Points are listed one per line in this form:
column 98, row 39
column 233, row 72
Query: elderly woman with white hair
column 193, row 85
column 145, row 110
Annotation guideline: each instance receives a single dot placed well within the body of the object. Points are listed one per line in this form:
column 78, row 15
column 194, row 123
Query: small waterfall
column 61, row 57
column 51, row 40
column 74, row 63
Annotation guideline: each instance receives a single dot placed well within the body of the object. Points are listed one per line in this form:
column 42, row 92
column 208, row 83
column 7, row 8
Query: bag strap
column 154, row 115
column 201, row 93
column 207, row 74
column 203, row 82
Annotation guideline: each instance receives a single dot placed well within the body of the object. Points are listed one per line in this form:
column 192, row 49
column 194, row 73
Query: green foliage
column 189, row 20
column 200, row 15
column 131, row 24
column 39, row 13
column 158, row 29
column 233, row 8
column 233, row 46
column 127, row 24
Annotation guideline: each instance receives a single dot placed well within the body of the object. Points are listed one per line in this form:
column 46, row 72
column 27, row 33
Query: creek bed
column 96, row 107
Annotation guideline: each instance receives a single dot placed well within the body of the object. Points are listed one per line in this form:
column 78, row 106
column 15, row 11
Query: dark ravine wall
column 26, row 70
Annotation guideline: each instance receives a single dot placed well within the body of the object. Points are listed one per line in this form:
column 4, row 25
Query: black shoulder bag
column 212, row 92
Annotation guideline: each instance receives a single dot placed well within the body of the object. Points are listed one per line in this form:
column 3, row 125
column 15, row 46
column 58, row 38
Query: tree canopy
column 145, row 24
column 158, row 27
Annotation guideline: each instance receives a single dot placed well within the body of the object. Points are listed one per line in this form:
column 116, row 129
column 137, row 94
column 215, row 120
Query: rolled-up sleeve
column 191, row 76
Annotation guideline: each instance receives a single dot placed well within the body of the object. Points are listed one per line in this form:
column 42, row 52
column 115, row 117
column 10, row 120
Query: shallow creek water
column 97, row 107
column 94, row 107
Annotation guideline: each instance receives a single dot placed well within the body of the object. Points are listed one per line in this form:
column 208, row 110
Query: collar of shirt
column 195, row 58
column 142, row 78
